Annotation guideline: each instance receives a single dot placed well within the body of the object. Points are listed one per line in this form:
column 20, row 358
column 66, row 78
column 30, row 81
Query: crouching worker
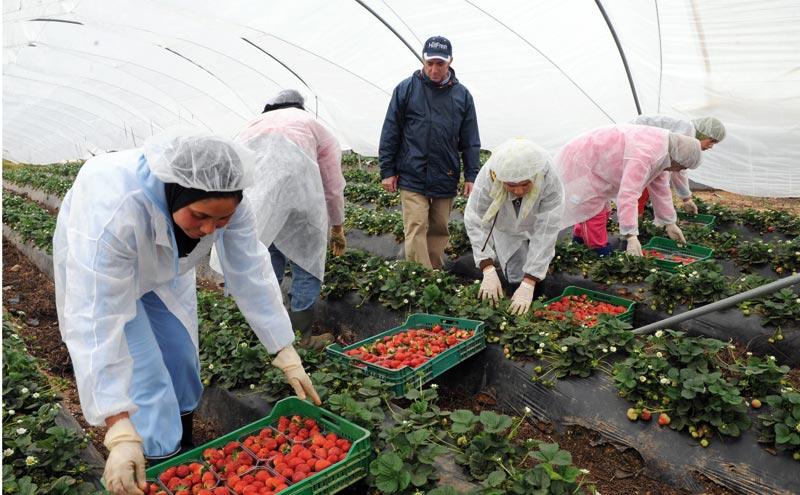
column 617, row 162
column 512, row 219
column 128, row 236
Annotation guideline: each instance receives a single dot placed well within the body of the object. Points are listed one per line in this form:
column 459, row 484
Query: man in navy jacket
column 430, row 122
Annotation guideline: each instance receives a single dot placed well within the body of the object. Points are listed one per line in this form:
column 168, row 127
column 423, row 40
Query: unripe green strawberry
column 704, row 442
column 633, row 414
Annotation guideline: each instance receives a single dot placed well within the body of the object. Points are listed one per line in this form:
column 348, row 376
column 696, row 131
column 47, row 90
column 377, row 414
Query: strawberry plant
column 459, row 240
column 758, row 377
column 39, row 456
column 683, row 377
column 723, row 214
column 374, row 222
column 753, row 253
column 623, row 268
column 698, row 284
column 781, row 425
column 572, row 257
column 30, row 220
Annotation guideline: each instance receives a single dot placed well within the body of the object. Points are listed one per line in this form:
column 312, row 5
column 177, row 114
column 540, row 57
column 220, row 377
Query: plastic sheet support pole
column 721, row 304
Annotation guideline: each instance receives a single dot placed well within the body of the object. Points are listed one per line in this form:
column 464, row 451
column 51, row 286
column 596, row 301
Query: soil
column 29, row 298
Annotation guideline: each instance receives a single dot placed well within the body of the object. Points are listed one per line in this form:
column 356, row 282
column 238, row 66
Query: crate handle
column 446, row 321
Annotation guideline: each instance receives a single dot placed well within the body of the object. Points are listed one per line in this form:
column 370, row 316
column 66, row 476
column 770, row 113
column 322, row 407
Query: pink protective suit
column 316, row 141
column 616, row 162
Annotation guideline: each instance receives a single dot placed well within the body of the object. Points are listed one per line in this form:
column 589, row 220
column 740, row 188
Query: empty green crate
column 406, row 378
column 630, row 306
column 670, row 248
column 705, row 221
column 332, row 480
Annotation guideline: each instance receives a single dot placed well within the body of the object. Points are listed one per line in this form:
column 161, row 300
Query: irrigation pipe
column 722, row 304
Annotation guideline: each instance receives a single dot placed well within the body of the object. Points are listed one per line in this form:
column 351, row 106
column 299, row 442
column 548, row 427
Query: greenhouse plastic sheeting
column 82, row 78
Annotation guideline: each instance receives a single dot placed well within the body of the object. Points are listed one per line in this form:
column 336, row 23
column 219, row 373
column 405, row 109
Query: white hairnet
column 684, row 150
column 518, row 159
column 709, row 127
column 199, row 160
column 287, row 96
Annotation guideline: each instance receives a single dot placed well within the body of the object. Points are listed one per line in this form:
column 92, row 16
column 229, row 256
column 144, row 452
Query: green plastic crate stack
column 670, row 249
column 329, row 481
column 407, row 378
column 630, row 306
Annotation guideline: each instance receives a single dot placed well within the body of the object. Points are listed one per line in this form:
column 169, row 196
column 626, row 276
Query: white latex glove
column 689, row 207
column 521, row 300
column 675, row 233
column 125, row 469
column 289, row 362
column 634, row 246
column 338, row 243
column 490, row 286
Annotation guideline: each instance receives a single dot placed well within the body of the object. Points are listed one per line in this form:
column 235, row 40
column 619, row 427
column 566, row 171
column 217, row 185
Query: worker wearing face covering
column 513, row 217
column 618, row 162
column 128, row 236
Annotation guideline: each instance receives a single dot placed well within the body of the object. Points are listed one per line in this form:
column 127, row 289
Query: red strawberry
column 663, row 419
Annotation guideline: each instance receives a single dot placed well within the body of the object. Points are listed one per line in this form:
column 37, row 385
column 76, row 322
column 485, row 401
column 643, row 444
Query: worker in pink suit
column 617, row 162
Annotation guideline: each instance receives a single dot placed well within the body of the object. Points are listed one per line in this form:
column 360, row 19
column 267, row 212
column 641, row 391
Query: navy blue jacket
column 426, row 127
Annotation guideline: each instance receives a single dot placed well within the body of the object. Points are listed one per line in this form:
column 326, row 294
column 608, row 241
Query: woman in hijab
column 513, row 217
column 128, row 236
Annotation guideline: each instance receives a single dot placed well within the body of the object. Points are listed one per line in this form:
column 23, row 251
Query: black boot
column 187, row 420
column 301, row 322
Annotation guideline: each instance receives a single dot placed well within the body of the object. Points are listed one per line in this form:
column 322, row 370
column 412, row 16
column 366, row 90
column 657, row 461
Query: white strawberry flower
column 21, row 431
column 642, row 378
column 8, row 452
column 659, row 334
column 30, row 460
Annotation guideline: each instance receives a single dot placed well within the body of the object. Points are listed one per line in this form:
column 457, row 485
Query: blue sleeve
column 392, row 133
column 470, row 142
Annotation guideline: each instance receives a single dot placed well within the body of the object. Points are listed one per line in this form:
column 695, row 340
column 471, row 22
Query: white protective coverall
column 114, row 253
column 298, row 189
column 617, row 162
column 524, row 242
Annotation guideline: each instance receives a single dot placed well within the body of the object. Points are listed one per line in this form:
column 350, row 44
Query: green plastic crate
column 405, row 378
column 630, row 306
column 670, row 248
column 332, row 480
column 706, row 221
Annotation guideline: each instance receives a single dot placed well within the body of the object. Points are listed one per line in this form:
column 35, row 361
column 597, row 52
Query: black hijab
column 179, row 196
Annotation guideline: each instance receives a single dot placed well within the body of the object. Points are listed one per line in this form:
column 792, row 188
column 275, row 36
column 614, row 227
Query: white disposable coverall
column 616, row 162
column 521, row 245
column 113, row 245
column 298, row 185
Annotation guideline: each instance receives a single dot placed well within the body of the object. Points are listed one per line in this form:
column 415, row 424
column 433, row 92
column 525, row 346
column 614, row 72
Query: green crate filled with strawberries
column 416, row 352
column 583, row 306
column 298, row 449
column 671, row 254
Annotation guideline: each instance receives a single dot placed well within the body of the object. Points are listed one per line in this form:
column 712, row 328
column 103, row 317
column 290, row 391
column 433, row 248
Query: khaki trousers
column 425, row 228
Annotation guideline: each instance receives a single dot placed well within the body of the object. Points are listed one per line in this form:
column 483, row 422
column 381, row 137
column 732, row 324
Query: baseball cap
column 437, row 47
